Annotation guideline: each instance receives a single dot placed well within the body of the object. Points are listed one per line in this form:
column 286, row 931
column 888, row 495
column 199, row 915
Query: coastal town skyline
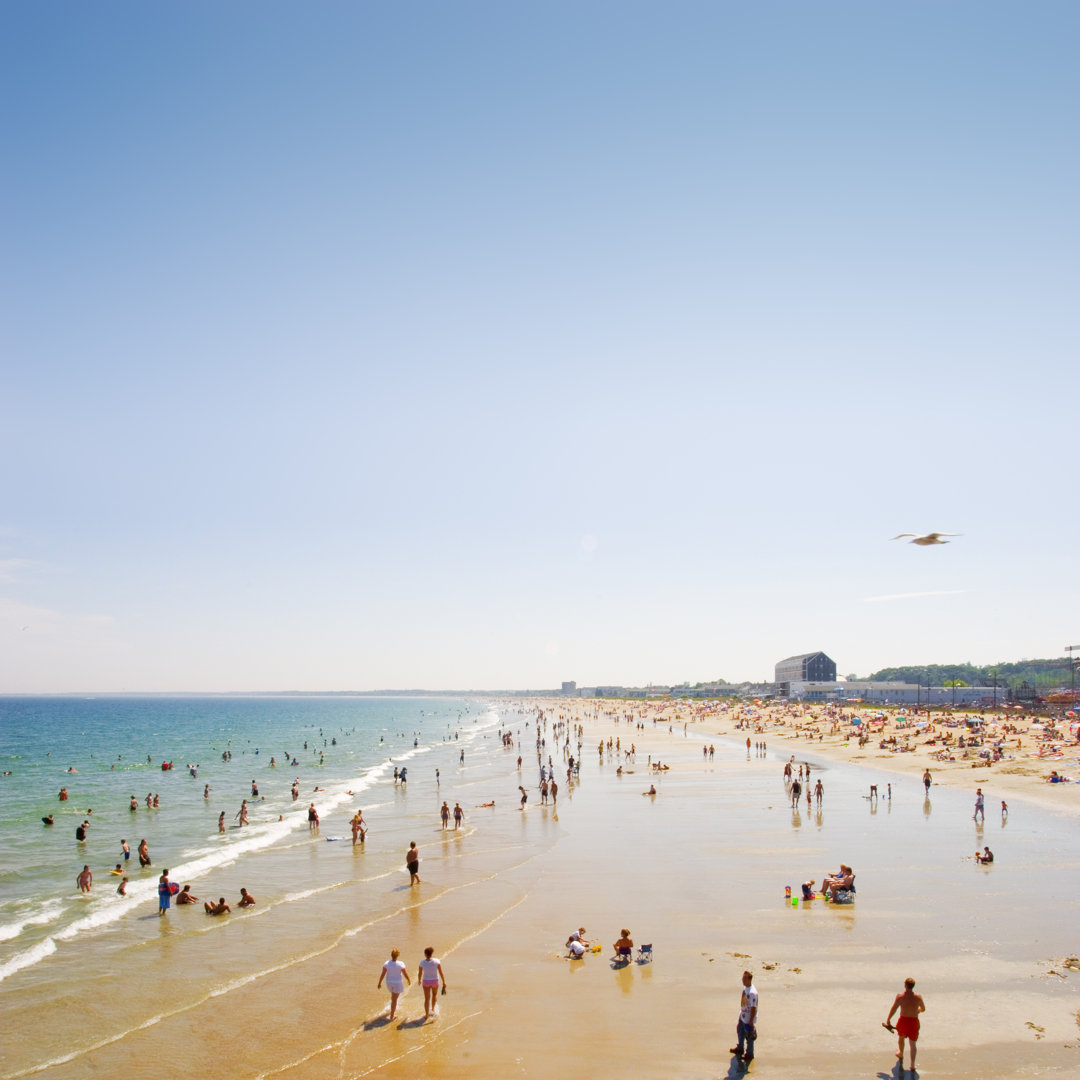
column 482, row 346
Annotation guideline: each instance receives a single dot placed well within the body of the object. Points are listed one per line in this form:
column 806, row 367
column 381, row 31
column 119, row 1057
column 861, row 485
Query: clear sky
column 486, row 344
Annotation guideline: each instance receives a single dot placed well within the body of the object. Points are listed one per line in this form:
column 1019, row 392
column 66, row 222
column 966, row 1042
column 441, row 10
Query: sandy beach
column 698, row 871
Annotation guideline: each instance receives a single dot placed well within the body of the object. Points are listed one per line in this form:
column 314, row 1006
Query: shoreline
column 699, row 870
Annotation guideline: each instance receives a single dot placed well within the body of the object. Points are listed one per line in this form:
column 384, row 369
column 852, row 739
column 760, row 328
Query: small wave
column 49, row 911
column 28, row 958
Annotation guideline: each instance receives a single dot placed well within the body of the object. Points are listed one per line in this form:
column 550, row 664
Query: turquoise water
column 116, row 747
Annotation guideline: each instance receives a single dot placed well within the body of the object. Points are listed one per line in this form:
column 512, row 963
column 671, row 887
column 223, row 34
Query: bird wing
column 936, row 535
column 902, row 535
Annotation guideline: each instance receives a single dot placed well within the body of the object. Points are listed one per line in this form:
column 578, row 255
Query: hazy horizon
column 495, row 345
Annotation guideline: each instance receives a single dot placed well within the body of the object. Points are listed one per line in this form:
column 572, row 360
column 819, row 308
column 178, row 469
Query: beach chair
column 846, row 896
column 644, row 954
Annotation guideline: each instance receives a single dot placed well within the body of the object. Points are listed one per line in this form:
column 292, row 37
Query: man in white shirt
column 747, row 1027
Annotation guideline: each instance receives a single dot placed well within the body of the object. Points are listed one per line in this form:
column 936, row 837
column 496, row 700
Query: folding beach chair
column 644, row 953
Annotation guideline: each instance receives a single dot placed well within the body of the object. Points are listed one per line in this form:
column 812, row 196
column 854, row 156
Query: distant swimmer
column 144, row 853
column 121, row 889
column 246, row 899
column 47, row 820
column 63, row 795
column 118, row 870
column 85, row 879
column 220, row 908
column 126, row 849
column 221, row 822
column 928, row 539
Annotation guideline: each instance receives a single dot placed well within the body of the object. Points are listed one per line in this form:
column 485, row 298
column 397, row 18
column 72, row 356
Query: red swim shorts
column 907, row 1027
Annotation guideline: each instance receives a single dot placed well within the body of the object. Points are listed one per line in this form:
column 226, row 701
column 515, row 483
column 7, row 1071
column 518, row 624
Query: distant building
column 569, row 689
column 807, row 667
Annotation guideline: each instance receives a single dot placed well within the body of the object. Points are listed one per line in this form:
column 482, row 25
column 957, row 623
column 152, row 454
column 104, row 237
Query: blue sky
column 352, row 346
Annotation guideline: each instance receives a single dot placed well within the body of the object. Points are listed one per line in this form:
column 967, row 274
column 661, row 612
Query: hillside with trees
column 1043, row 674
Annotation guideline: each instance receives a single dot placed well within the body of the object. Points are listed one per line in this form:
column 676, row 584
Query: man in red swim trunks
column 910, row 1005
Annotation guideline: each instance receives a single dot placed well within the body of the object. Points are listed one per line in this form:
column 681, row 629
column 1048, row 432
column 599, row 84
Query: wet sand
column 698, row 870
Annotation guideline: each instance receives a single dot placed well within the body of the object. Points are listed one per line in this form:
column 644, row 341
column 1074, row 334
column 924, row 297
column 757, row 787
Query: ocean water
column 116, row 747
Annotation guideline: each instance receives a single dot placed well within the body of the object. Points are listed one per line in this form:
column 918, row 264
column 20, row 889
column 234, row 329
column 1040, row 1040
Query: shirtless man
column 185, row 896
column 220, row 908
column 412, row 862
column 835, row 882
column 910, row 1005
column 85, row 879
column 246, row 899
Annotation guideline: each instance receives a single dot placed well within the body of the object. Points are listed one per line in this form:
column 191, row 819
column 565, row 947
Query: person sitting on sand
column 624, row 947
column 984, row 856
column 834, row 883
column 808, row 889
column 220, row 908
column 579, row 936
column 651, row 791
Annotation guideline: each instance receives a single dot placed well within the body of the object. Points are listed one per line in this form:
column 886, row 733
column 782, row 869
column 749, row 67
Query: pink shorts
column 907, row 1027
column 429, row 983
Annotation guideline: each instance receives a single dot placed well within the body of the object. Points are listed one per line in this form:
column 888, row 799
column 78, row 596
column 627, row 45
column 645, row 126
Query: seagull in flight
column 928, row 539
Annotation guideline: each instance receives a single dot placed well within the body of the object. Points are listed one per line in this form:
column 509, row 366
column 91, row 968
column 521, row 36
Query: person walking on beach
column 524, row 796
column 393, row 971
column 412, row 863
column 357, row 824
column 312, row 819
column 979, row 811
column 910, row 1005
column 926, row 781
column 428, row 976
column 444, row 813
column 459, row 815
column 747, row 1025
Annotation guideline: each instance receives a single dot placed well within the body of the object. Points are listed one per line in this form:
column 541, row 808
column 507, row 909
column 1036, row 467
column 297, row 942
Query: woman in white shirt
column 428, row 975
column 393, row 971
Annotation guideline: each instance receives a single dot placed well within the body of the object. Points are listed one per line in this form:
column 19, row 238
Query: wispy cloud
column 911, row 595
column 13, row 571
